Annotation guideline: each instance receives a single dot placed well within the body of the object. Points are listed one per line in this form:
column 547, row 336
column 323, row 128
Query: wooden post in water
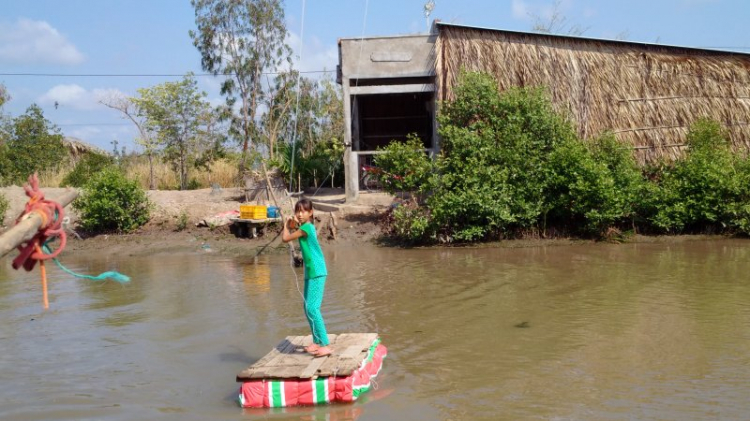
column 29, row 225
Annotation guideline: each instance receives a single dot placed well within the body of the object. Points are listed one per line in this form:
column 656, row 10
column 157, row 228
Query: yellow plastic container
column 253, row 212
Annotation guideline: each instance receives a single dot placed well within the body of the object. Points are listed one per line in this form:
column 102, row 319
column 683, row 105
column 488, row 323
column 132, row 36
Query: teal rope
column 115, row 276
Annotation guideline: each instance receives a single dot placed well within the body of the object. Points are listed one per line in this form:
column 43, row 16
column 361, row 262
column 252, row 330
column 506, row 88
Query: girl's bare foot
column 323, row 351
column 311, row 349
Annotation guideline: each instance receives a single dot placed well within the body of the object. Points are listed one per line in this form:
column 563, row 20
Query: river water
column 581, row 332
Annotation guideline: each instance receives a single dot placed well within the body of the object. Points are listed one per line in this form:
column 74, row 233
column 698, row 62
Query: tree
column 213, row 138
column 240, row 40
column 4, row 96
column 33, row 145
column 330, row 98
column 556, row 23
column 4, row 135
column 145, row 139
column 312, row 135
column 175, row 113
column 130, row 110
column 279, row 101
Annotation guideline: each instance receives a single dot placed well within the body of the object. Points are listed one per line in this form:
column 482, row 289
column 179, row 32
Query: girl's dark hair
column 303, row 204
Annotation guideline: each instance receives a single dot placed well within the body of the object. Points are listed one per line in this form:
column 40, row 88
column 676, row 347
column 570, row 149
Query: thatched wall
column 647, row 95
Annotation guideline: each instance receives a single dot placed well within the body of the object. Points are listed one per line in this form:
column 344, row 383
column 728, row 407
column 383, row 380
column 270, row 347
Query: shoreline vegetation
column 510, row 168
column 161, row 234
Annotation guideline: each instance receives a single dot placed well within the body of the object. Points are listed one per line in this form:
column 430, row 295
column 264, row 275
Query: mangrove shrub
column 92, row 163
column 112, row 203
column 510, row 165
column 494, row 169
column 702, row 191
column 405, row 166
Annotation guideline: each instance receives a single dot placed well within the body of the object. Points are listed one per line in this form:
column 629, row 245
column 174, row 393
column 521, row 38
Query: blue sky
column 150, row 37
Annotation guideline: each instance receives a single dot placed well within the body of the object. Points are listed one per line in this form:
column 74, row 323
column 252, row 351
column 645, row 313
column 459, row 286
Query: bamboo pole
column 28, row 226
column 273, row 196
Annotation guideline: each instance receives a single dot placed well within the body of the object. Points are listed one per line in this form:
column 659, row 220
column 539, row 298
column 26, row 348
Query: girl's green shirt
column 312, row 254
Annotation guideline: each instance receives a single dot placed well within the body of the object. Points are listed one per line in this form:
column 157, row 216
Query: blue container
column 273, row 212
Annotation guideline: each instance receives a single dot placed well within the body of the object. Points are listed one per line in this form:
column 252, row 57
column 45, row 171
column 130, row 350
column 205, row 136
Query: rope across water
column 37, row 248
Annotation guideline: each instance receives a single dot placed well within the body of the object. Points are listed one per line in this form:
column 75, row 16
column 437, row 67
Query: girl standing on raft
column 315, row 273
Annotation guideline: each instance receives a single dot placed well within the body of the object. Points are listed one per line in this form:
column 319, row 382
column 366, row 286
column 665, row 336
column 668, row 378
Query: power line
column 94, row 124
column 140, row 74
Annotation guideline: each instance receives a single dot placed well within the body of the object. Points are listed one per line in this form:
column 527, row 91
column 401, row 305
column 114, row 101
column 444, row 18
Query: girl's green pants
column 314, row 288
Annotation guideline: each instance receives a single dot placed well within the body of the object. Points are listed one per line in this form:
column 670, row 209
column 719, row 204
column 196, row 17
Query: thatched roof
column 647, row 94
column 78, row 147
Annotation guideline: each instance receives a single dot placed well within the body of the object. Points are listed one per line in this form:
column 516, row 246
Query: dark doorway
column 384, row 118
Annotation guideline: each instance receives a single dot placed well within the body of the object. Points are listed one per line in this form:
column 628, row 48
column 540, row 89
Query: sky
column 65, row 56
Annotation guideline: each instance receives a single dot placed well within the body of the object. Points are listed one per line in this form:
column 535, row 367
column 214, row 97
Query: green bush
column 511, row 165
column 701, row 191
column 33, row 145
column 193, row 184
column 595, row 186
column 494, row 170
column 182, row 221
column 323, row 165
column 411, row 224
column 4, row 205
column 5, row 165
column 581, row 195
column 112, row 203
column 405, row 165
column 92, row 163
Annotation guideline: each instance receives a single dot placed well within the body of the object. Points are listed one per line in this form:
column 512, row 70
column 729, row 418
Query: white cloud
column 36, row 42
column 84, row 133
column 520, row 9
column 76, row 97
column 315, row 55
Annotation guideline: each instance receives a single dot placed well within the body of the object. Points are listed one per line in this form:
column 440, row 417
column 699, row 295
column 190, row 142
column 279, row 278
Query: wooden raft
column 288, row 360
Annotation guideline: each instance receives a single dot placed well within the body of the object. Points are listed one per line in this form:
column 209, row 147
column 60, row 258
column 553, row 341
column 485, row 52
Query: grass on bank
column 223, row 173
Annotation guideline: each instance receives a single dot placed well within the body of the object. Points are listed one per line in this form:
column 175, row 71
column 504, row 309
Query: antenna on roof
column 428, row 7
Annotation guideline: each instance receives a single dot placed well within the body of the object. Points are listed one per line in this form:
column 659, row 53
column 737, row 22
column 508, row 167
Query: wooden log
column 29, row 225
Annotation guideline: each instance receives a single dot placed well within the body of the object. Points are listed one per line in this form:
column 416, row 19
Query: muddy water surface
column 590, row 332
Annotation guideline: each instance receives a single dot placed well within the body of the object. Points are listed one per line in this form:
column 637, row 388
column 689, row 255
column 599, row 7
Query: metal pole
column 29, row 225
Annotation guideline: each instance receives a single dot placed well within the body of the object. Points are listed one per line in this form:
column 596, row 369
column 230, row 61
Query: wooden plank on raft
column 288, row 360
column 351, row 350
column 256, row 370
column 311, row 371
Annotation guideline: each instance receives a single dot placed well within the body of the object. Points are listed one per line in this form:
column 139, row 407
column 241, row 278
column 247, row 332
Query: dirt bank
column 166, row 234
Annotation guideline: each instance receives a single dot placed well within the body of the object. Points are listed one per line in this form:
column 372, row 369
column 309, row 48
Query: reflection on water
column 637, row 331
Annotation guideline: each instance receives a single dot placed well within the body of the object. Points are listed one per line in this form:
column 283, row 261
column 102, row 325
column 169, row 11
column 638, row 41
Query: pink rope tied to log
column 52, row 215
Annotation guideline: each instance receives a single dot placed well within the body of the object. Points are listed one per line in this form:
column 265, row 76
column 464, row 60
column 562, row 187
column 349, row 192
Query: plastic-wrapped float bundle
column 291, row 392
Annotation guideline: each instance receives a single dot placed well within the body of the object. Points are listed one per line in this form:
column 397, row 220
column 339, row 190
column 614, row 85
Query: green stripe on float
column 277, row 395
column 321, row 392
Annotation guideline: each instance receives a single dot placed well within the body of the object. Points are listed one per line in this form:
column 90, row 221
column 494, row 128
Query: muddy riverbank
column 175, row 226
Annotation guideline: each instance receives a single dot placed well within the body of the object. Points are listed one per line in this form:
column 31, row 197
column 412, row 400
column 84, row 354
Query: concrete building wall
column 387, row 57
column 380, row 66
